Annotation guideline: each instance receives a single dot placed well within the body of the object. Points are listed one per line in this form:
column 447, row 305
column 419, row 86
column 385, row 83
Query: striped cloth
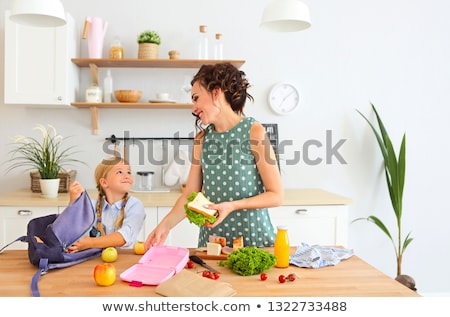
column 317, row 256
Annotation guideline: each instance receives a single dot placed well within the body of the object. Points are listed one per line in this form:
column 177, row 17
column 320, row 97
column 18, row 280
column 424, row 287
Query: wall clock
column 284, row 98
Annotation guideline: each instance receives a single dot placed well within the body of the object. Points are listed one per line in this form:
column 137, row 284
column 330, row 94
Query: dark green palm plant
column 395, row 178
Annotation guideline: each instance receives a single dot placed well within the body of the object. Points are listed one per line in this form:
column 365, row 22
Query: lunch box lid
column 157, row 265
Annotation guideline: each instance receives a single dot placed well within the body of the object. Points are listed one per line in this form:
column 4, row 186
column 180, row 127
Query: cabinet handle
column 301, row 211
column 24, row 212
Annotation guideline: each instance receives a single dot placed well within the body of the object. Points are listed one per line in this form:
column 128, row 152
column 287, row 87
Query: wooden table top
column 292, row 197
column 350, row 278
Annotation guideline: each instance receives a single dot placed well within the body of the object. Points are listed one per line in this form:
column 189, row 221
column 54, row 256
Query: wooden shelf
column 138, row 105
column 150, row 63
column 122, row 105
column 94, row 63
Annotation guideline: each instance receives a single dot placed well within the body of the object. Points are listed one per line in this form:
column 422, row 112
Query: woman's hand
column 157, row 236
column 223, row 209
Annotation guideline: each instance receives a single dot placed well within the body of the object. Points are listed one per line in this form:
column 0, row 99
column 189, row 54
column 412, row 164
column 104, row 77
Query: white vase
column 49, row 187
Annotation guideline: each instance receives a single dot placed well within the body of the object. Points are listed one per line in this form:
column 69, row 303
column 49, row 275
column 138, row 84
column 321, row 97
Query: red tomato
column 105, row 274
column 190, row 264
column 291, row 277
column 263, row 276
column 216, row 275
column 281, row 278
column 206, row 274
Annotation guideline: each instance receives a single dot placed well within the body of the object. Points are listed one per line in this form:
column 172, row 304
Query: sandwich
column 196, row 212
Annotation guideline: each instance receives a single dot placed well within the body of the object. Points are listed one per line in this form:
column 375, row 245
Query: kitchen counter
column 349, row 278
column 292, row 197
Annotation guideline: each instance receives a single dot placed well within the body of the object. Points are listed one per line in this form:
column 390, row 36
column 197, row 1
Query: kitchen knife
column 198, row 260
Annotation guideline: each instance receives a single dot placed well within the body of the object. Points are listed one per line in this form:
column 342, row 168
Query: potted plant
column 47, row 156
column 149, row 42
column 394, row 168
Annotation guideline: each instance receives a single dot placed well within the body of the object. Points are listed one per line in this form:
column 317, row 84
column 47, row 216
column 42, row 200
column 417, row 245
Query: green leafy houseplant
column 149, row 36
column 395, row 178
column 47, row 155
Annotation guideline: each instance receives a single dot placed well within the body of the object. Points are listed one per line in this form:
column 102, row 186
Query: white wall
column 392, row 53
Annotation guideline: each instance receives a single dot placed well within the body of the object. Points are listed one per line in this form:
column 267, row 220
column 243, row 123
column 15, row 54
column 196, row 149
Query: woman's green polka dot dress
column 230, row 173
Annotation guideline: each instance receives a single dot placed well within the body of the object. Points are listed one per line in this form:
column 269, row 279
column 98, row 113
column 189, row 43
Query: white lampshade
column 42, row 13
column 286, row 16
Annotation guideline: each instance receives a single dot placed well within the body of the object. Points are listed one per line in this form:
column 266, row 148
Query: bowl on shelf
column 128, row 95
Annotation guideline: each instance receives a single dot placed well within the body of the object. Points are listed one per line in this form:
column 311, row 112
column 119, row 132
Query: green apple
column 109, row 254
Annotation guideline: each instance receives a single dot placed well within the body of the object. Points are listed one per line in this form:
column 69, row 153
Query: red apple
column 105, row 274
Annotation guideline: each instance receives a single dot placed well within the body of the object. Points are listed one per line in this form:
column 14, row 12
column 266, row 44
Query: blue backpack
column 48, row 238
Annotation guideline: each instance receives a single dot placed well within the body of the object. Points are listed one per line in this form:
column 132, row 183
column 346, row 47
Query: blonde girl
column 119, row 216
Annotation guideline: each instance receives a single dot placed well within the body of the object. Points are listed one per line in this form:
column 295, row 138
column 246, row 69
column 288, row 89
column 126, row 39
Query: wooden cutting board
column 205, row 256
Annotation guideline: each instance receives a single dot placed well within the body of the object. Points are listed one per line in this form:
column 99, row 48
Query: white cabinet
column 14, row 221
column 38, row 70
column 322, row 225
column 184, row 234
column 151, row 220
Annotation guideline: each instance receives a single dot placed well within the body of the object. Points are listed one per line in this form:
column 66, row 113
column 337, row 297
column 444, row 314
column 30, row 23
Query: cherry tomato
column 190, row 264
column 263, row 276
column 281, row 278
column 216, row 275
column 291, row 277
column 206, row 274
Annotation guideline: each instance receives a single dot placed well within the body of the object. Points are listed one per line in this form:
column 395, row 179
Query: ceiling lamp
column 42, row 13
column 286, row 16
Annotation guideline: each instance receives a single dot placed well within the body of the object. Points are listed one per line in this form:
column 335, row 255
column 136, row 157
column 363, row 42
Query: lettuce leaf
column 249, row 261
column 195, row 217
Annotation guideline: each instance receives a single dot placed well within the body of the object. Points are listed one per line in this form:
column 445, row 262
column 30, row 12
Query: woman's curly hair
column 230, row 80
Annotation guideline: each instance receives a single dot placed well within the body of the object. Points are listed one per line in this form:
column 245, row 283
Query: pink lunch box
column 157, row 265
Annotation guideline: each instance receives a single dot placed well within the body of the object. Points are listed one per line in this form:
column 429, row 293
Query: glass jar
column 203, row 48
column 282, row 247
column 145, row 180
column 116, row 50
column 218, row 47
column 94, row 94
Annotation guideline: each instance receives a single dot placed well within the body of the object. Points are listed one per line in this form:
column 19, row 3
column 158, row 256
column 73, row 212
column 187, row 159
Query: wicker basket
column 148, row 51
column 64, row 183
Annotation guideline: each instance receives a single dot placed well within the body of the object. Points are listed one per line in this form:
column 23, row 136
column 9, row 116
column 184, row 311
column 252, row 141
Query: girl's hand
column 80, row 245
column 75, row 190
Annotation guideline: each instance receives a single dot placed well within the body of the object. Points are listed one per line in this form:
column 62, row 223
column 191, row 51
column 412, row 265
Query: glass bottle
column 218, row 47
column 107, row 87
column 203, row 43
column 282, row 247
column 116, row 50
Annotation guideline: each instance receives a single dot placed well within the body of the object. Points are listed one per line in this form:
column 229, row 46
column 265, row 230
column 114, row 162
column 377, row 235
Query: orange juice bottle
column 282, row 247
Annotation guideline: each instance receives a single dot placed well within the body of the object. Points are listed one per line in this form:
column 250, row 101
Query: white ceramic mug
column 162, row 96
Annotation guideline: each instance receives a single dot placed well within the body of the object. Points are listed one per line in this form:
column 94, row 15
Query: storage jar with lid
column 94, row 94
column 203, row 46
column 116, row 50
column 145, row 180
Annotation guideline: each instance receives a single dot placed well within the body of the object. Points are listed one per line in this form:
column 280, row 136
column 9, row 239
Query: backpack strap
column 43, row 268
column 22, row 238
